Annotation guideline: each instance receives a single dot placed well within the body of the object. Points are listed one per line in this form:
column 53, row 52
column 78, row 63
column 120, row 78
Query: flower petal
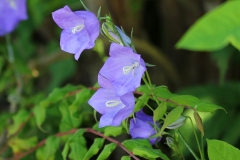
column 66, row 19
column 74, row 43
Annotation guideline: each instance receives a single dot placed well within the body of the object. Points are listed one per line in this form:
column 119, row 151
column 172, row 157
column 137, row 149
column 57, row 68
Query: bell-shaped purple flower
column 142, row 127
column 124, row 69
column 11, row 12
column 113, row 109
column 80, row 30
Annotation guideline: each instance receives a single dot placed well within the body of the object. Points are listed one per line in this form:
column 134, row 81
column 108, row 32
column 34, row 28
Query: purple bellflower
column 142, row 127
column 11, row 12
column 124, row 69
column 80, row 30
column 113, row 109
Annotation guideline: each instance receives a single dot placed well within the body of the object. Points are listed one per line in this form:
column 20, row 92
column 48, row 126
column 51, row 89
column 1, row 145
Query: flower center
column 112, row 103
column 77, row 28
column 127, row 69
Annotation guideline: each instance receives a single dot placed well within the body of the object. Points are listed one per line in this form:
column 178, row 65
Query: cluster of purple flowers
column 11, row 12
column 118, row 78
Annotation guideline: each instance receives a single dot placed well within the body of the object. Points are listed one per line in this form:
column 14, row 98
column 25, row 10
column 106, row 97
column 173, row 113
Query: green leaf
column 172, row 117
column 199, row 123
column 133, row 143
column 113, row 131
column 162, row 92
column 207, row 107
column 185, row 100
column 21, row 116
column 77, row 146
column 39, row 114
column 18, row 144
column 126, row 158
column 95, row 147
column 220, row 150
column 68, row 121
column 141, row 102
column 144, row 89
column 107, row 150
column 159, row 112
column 48, row 151
column 149, row 153
column 215, row 29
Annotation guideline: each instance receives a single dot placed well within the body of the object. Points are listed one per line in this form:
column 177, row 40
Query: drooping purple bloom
column 142, row 127
column 11, row 12
column 113, row 109
column 124, row 69
column 80, row 30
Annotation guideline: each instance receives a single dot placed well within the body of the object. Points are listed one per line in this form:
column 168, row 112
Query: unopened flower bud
column 177, row 123
column 115, row 34
column 171, row 143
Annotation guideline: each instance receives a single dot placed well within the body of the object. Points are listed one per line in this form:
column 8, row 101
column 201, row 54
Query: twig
column 41, row 143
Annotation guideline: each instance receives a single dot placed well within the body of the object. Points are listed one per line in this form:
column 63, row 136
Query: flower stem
column 11, row 60
column 196, row 137
column 187, row 145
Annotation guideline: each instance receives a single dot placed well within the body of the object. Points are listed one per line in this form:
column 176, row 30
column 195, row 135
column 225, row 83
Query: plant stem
column 11, row 60
column 187, row 145
column 195, row 134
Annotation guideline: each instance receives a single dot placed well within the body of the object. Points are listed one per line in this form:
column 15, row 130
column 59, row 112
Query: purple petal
column 107, row 119
column 92, row 25
column 66, row 19
column 99, row 99
column 11, row 12
column 104, row 82
column 117, row 50
column 113, row 67
column 74, row 43
column 144, row 117
column 141, row 129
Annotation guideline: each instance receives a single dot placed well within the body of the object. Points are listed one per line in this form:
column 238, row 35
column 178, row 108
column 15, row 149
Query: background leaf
column 220, row 150
column 214, row 30
column 107, row 150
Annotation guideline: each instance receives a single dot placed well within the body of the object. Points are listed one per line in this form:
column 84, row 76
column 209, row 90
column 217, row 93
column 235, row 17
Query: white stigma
column 127, row 69
column 78, row 28
column 112, row 103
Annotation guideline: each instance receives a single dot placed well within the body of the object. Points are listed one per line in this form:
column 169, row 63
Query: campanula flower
column 80, row 30
column 124, row 69
column 113, row 109
column 11, row 12
column 143, row 127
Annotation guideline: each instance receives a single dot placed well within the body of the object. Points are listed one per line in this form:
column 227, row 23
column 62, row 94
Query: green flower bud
column 177, row 123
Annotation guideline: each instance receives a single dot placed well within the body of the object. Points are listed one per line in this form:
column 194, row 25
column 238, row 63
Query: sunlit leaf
column 133, row 143
column 220, row 150
column 113, row 131
column 149, row 153
column 215, row 29
column 18, row 144
column 159, row 112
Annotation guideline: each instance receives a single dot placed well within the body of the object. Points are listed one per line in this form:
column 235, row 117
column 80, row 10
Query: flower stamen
column 112, row 103
column 127, row 69
column 78, row 28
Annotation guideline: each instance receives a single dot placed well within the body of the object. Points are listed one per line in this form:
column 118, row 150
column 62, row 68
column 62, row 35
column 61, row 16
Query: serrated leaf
column 162, row 92
column 141, row 102
column 107, row 150
column 172, row 117
column 159, row 112
column 95, row 147
column 126, row 158
column 21, row 116
column 185, row 100
column 113, row 131
column 213, row 33
column 207, row 107
column 133, row 143
column 68, row 121
column 48, row 151
column 199, row 123
column 149, row 153
column 220, row 150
